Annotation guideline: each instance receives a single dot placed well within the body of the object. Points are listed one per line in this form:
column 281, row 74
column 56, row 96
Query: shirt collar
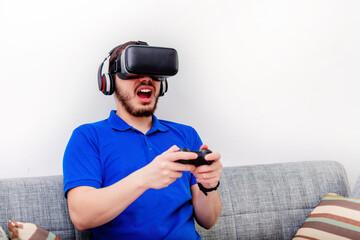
column 117, row 123
column 158, row 126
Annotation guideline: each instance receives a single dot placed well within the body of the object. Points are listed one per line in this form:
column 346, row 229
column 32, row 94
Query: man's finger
column 215, row 166
column 174, row 148
column 215, row 156
column 183, row 167
column 182, row 156
column 204, row 146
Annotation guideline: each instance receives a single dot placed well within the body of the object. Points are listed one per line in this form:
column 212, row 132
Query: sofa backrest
column 272, row 201
column 259, row 201
column 38, row 200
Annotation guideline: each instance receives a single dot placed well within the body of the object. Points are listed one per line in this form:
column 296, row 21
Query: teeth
column 145, row 90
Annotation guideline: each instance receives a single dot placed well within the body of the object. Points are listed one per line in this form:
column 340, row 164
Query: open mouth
column 144, row 93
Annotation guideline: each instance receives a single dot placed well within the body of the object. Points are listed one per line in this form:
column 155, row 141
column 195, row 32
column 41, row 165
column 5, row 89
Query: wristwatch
column 206, row 190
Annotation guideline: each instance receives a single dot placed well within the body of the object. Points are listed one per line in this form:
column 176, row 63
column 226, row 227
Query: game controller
column 200, row 160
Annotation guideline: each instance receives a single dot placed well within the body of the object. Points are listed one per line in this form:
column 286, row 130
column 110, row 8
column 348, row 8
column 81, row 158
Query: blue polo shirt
column 102, row 153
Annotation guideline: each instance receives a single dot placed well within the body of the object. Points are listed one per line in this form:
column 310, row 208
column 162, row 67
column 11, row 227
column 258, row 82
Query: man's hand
column 209, row 175
column 163, row 170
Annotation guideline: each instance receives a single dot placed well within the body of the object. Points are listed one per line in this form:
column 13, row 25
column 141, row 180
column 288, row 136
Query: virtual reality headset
column 143, row 60
column 139, row 60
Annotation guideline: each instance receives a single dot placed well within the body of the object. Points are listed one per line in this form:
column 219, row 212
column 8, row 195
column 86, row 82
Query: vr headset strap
column 116, row 66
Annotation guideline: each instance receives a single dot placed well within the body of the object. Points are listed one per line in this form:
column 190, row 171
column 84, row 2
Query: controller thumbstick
column 206, row 151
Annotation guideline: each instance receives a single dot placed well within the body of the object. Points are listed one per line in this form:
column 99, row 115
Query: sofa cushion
column 28, row 231
column 335, row 217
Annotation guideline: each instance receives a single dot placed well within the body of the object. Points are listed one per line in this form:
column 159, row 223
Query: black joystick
column 200, row 160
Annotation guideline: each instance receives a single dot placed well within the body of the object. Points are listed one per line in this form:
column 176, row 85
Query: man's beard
column 140, row 112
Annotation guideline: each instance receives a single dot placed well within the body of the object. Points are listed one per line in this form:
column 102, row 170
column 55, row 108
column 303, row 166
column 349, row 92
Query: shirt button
column 150, row 148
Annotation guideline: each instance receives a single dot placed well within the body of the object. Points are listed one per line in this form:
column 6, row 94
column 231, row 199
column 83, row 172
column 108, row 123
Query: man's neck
column 143, row 124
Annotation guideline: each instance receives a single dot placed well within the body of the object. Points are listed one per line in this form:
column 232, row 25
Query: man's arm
column 207, row 208
column 90, row 207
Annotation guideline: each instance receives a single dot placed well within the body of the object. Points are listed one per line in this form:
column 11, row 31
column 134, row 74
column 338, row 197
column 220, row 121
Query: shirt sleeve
column 193, row 180
column 196, row 142
column 81, row 162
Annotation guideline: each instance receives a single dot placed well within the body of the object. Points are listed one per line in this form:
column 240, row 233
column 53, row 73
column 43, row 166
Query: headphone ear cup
column 112, row 84
column 163, row 87
column 107, row 84
column 105, row 80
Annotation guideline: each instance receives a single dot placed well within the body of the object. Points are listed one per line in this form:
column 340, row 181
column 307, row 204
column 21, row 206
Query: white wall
column 261, row 81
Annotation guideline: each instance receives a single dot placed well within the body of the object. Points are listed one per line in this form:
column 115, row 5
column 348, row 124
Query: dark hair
column 118, row 50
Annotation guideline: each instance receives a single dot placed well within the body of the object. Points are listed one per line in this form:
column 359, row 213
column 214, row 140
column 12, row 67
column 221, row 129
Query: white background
column 261, row 81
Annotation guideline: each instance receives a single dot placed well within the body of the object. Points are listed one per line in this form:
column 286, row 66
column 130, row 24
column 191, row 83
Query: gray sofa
column 259, row 201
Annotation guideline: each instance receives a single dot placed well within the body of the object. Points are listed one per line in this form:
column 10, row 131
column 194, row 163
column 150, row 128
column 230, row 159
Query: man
column 121, row 177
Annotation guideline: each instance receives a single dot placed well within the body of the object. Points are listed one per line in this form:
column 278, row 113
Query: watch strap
column 206, row 190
